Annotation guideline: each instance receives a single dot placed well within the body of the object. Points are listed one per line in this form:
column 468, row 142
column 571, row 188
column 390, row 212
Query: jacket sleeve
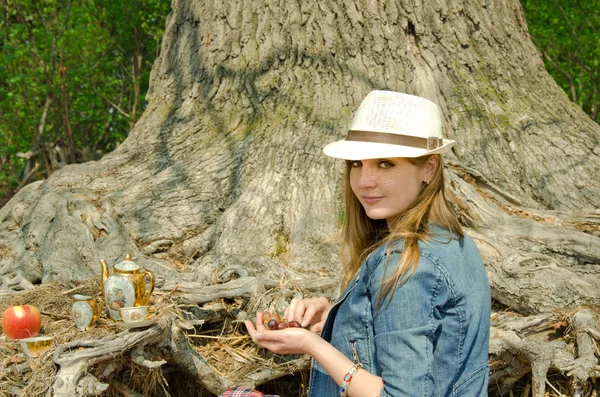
column 405, row 327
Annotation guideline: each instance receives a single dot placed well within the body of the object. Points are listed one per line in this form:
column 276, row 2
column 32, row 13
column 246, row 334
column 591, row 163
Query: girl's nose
column 366, row 177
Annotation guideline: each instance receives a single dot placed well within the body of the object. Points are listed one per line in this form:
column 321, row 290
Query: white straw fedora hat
column 392, row 124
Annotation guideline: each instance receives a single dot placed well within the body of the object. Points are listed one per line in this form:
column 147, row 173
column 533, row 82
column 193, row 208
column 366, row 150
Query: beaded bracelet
column 347, row 379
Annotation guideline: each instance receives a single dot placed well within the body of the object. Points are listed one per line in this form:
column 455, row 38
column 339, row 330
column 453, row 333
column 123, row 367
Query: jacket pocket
column 361, row 354
column 473, row 384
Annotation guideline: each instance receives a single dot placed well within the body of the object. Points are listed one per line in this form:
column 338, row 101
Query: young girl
column 414, row 315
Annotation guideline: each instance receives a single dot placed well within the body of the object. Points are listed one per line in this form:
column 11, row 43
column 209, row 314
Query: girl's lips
column 371, row 199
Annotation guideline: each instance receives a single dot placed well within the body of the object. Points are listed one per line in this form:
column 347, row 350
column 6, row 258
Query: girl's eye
column 356, row 163
column 386, row 164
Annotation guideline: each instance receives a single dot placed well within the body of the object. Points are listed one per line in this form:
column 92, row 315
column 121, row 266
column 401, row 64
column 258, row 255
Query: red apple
column 20, row 322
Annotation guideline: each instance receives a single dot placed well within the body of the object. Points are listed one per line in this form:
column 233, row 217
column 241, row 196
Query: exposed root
column 205, row 349
column 526, row 346
column 14, row 283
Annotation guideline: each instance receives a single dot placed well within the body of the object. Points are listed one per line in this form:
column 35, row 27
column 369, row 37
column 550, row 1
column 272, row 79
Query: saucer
column 136, row 324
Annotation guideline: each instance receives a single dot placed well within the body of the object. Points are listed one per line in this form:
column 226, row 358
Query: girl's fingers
column 300, row 310
column 315, row 308
column 275, row 347
column 259, row 322
column 304, row 310
column 290, row 310
column 250, row 328
column 255, row 332
column 308, row 315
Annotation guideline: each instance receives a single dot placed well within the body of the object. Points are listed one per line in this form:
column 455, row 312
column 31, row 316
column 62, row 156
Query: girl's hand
column 285, row 341
column 310, row 311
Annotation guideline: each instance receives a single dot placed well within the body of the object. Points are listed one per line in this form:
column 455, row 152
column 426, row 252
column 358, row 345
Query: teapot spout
column 104, row 274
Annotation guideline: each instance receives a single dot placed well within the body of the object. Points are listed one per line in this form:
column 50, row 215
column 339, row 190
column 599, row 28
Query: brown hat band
column 430, row 143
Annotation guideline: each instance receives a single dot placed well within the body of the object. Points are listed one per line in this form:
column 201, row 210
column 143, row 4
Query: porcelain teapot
column 125, row 286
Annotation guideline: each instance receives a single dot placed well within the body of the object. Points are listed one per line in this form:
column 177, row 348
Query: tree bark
column 224, row 169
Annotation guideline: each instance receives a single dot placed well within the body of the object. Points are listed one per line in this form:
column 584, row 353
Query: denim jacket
column 432, row 337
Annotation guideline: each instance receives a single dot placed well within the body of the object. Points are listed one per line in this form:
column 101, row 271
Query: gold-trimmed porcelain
column 85, row 310
column 134, row 314
column 125, row 286
column 36, row 346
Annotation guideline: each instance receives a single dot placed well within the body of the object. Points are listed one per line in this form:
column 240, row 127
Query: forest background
column 73, row 75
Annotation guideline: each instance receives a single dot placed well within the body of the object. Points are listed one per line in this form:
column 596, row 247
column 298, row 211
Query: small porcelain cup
column 36, row 346
column 85, row 311
column 133, row 314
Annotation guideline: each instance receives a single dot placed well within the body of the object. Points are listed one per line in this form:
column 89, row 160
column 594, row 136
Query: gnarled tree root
column 522, row 343
column 541, row 355
column 74, row 358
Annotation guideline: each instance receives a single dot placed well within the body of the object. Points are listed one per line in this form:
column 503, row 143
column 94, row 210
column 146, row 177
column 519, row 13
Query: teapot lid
column 128, row 264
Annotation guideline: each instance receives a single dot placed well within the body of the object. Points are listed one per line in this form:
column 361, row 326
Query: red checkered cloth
column 240, row 391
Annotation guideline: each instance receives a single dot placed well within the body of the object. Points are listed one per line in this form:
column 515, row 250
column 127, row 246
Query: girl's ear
column 431, row 167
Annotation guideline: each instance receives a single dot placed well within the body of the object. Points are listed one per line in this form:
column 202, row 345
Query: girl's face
column 387, row 187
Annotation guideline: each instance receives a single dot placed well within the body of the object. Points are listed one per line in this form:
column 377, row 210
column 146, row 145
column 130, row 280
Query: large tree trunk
column 224, row 171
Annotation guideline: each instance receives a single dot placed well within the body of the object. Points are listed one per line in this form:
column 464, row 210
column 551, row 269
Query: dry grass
column 33, row 376
column 224, row 344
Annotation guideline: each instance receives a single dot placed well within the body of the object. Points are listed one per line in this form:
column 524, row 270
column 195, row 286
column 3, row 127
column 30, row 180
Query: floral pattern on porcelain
column 82, row 314
column 120, row 292
column 136, row 316
column 85, row 310
column 125, row 286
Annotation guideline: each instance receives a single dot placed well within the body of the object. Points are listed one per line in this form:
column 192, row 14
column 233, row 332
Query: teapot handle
column 149, row 292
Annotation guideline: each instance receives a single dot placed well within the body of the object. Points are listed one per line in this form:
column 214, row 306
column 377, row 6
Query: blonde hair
column 362, row 235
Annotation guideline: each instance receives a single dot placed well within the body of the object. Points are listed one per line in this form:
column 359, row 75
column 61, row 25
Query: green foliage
column 567, row 34
column 73, row 75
